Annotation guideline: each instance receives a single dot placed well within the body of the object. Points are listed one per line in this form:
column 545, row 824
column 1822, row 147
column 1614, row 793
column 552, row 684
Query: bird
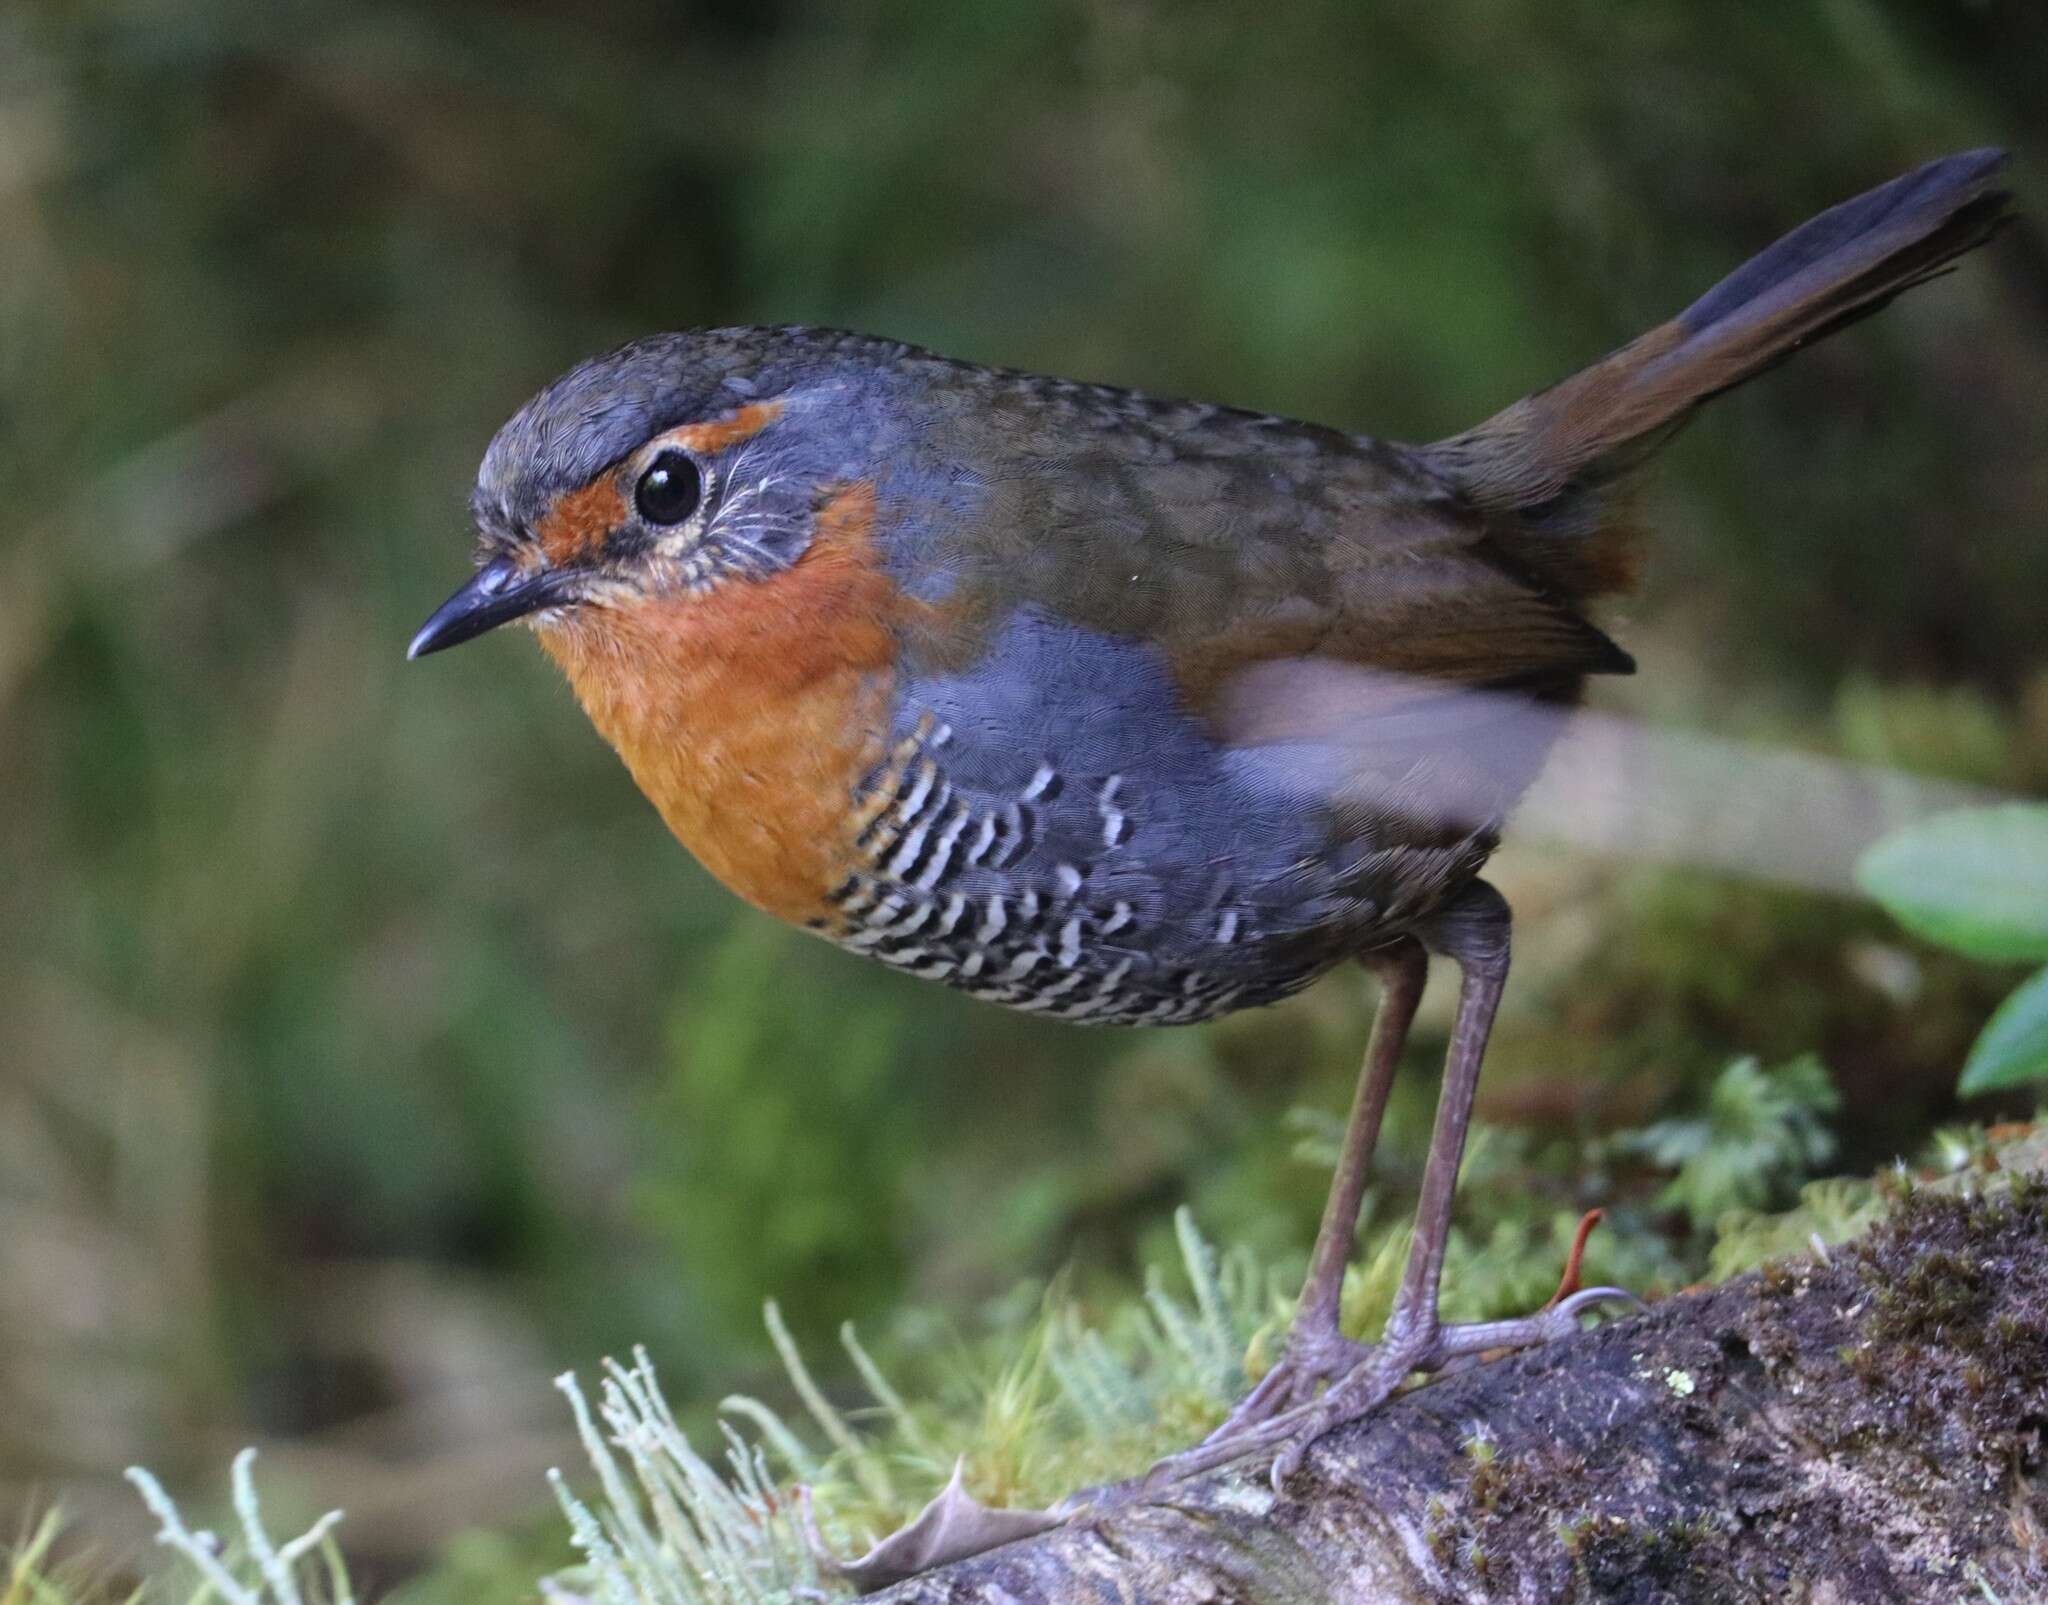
column 1127, row 710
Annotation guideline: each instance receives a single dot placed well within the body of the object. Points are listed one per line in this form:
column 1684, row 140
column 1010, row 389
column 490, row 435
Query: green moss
column 1942, row 1296
column 1439, row 1529
column 1616, row 1559
column 1950, row 1333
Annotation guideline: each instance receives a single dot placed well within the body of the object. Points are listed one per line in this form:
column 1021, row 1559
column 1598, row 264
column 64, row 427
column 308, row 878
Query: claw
column 1368, row 1385
column 1255, row 1406
column 1587, row 1297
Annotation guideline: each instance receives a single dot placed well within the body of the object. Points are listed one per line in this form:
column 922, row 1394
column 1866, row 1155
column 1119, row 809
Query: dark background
column 368, row 1053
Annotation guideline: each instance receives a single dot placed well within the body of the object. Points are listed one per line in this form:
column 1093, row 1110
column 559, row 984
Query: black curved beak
column 496, row 594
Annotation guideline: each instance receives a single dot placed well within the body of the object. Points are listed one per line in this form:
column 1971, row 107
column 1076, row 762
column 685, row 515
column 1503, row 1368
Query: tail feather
column 1544, row 457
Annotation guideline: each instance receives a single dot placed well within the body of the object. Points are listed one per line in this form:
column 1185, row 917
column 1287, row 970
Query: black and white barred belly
column 1054, row 831
column 1072, row 896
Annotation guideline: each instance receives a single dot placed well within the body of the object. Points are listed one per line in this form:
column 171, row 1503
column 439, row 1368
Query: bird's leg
column 1474, row 932
column 1316, row 1350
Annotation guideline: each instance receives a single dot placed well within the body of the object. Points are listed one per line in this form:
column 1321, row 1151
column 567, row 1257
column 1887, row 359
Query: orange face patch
column 577, row 524
column 749, row 715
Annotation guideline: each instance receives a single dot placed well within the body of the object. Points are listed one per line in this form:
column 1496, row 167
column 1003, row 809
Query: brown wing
column 1231, row 540
column 1320, row 598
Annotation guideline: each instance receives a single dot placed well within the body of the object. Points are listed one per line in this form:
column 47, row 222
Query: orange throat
column 749, row 714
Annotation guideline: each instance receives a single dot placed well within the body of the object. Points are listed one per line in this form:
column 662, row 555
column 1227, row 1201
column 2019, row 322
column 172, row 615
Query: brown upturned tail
column 1535, row 459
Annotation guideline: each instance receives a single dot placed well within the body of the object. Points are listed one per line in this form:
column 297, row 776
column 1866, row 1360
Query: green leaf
column 2013, row 1047
column 1975, row 881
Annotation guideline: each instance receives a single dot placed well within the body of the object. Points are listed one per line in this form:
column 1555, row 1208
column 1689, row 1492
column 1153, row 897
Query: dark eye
column 668, row 491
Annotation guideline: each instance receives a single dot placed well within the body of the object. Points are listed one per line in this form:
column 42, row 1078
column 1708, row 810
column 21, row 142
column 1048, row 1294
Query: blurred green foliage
column 1760, row 1133
column 1977, row 882
column 367, row 1051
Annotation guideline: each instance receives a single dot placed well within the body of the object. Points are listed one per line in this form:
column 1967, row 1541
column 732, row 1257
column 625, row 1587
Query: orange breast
column 750, row 713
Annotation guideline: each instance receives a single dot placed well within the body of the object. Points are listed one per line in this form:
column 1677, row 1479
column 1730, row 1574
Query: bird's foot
column 1447, row 1348
column 1285, row 1414
column 1315, row 1357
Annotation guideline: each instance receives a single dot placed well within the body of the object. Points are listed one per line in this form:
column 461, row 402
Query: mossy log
column 1861, row 1427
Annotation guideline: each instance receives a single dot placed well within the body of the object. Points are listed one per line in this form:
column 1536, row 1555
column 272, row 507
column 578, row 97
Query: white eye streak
column 744, row 491
column 737, row 527
column 736, row 517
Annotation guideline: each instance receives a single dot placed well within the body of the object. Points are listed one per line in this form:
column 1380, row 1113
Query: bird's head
column 668, row 469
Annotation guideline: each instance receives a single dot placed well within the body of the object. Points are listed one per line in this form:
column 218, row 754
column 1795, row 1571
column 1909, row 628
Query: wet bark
column 1864, row 1428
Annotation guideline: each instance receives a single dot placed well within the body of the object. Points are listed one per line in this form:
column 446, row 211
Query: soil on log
column 1862, row 1428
